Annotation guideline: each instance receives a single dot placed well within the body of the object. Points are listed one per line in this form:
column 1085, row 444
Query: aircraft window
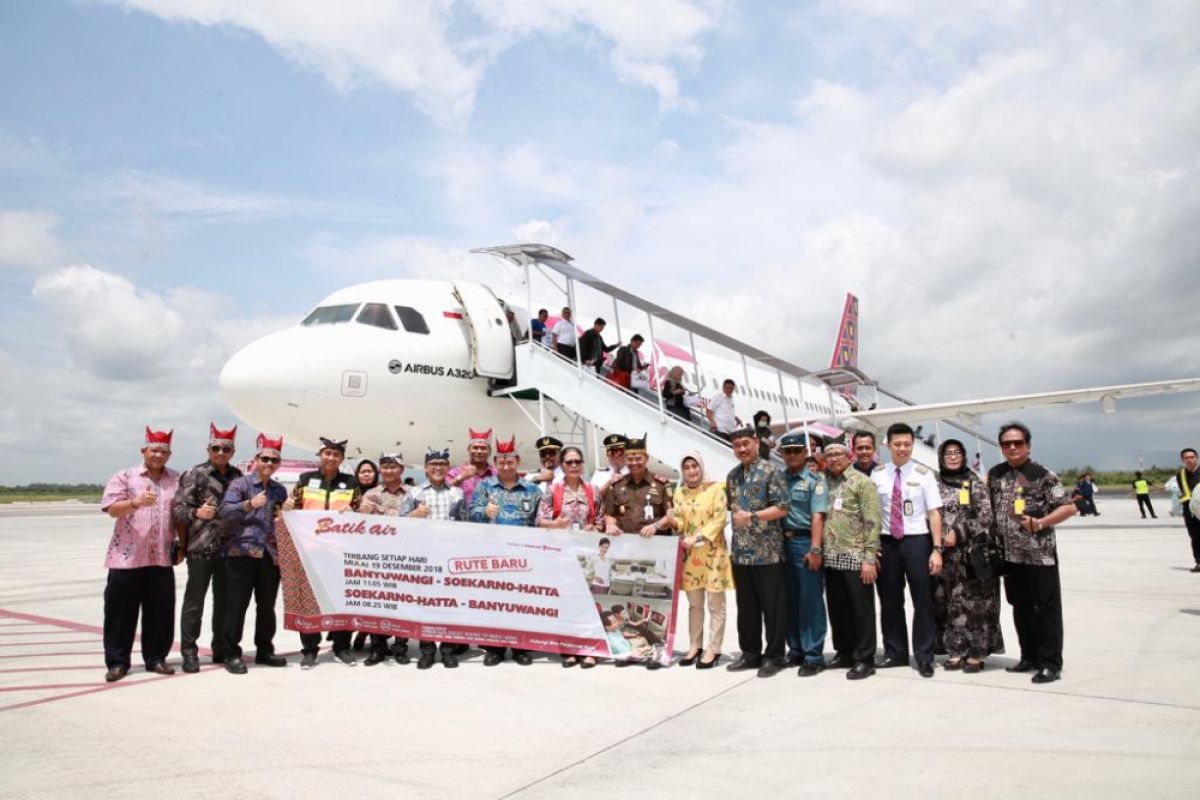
column 377, row 314
column 328, row 315
column 412, row 320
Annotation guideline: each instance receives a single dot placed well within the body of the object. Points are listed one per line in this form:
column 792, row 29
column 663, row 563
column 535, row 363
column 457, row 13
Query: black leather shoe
column 160, row 668
column 770, row 667
column 1020, row 666
column 270, row 661
column 426, row 660
column 1197, row 567
column 888, row 662
column 492, row 659
column 115, row 674
column 401, row 656
column 191, row 664
column 744, row 663
column 235, row 666
column 524, row 659
column 359, row 643
column 952, row 664
column 374, row 657
column 653, row 664
column 925, row 670
column 862, row 669
column 839, row 662
column 687, row 661
column 810, row 668
column 793, row 661
column 1046, row 675
column 971, row 667
column 449, row 660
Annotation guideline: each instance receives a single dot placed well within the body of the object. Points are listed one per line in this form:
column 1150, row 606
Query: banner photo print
column 571, row 592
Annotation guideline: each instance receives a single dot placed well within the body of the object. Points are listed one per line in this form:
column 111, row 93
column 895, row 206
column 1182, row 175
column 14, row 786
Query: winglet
column 845, row 350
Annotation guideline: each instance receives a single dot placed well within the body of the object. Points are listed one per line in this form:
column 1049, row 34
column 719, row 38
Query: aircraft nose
column 264, row 383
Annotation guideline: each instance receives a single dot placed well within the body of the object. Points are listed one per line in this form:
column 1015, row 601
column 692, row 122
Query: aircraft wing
column 968, row 411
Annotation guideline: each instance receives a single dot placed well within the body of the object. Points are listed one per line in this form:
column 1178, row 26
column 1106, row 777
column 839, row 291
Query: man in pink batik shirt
column 140, row 561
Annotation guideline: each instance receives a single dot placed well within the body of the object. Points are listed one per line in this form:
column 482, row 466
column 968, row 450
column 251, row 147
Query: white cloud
column 438, row 51
column 29, row 239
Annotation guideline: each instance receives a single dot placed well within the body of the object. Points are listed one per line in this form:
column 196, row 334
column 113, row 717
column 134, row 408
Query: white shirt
column 602, row 476
column 723, row 413
column 601, row 569
column 919, row 489
column 564, row 332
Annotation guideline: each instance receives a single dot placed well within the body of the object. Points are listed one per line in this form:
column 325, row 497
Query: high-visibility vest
column 1141, row 487
column 1185, row 493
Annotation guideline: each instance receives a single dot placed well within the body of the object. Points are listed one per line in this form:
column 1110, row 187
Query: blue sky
column 1009, row 188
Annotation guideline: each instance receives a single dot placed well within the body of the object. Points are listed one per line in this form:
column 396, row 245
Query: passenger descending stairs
column 614, row 409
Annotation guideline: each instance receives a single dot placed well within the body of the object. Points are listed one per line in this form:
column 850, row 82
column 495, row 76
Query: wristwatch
column 939, row 549
column 754, row 516
column 815, row 551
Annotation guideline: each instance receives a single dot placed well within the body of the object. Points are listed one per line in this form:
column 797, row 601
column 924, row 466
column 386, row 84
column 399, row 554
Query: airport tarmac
column 1123, row 722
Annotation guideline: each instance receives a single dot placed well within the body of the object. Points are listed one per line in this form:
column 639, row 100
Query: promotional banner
column 559, row 591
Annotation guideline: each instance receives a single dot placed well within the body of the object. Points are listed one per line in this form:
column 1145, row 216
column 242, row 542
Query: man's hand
column 467, row 472
column 545, row 476
column 259, row 500
column 207, row 511
column 611, row 528
column 869, row 573
column 649, row 530
column 935, row 563
column 145, row 499
column 420, row 512
column 813, row 561
column 740, row 518
column 492, row 509
column 289, row 504
column 949, row 538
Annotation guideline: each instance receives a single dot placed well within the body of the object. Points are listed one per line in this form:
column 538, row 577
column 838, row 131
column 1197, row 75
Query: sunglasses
column 1012, row 443
column 220, row 448
column 269, row 459
column 573, row 462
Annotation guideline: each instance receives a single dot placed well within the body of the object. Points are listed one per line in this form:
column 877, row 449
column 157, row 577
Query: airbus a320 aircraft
column 412, row 364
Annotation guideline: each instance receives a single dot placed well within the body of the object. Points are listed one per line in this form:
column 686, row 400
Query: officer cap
column 548, row 443
column 614, row 441
column 796, row 439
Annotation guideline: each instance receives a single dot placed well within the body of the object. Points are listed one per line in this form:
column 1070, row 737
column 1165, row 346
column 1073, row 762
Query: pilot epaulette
column 922, row 470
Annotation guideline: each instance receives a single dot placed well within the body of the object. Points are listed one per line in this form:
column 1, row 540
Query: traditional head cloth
column 614, row 441
column 391, row 458
column 960, row 474
column 331, row 444
column 548, row 443
column 437, row 455
column 743, row 433
column 508, row 448
column 158, row 440
column 270, row 447
column 477, row 435
column 218, row 436
column 635, row 445
column 699, row 459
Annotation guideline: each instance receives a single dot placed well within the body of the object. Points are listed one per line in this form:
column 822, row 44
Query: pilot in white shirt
column 919, row 489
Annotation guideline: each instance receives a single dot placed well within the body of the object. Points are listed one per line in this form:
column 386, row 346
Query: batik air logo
column 474, row 565
column 327, row 525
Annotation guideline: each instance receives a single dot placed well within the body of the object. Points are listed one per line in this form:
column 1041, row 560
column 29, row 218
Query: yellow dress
column 703, row 511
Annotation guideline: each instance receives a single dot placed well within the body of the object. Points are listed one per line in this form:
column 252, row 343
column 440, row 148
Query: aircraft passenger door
column 491, row 337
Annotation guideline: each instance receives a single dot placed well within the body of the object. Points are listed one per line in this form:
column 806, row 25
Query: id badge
column 648, row 512
column 964, row 496
column 526, row 505
column 1019, row 506
column 837, row 504
column 908, row 508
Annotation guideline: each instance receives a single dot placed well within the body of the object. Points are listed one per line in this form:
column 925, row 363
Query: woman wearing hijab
column 766, row 441
column 675, row 393
column 699, row 516
column 967, row 608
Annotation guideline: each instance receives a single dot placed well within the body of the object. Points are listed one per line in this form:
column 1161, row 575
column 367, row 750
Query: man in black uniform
column 1189, row 477
column 329, row 489
column 202, row 534
column 592, row 347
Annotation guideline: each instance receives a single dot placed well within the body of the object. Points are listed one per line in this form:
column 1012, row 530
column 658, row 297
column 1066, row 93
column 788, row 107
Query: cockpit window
column 328, row 315
column 412, row 320
column 377, row 314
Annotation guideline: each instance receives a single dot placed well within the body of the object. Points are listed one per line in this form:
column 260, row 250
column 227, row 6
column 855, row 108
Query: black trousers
column 379, row 644
column 311, row 642
column 245, row 576
column 1193, row 529
column 1036, row 597
column 851, row 614
column 149, row 591
column 1145, row 505
column 906, row 561
column 200, row 572
column 761, row 593
column 566, row 350
column 498, row 650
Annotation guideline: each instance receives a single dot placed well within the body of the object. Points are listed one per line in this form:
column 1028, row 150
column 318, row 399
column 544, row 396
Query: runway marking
column 73, row 641
column 34, row 619
column 45, row 669
column 55, row 655
column 46, row 687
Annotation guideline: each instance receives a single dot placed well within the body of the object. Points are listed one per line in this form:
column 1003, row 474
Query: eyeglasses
column 269, row 459
column 949, row 453
column 573, row 462
column 1012, row 443
column 220, row 448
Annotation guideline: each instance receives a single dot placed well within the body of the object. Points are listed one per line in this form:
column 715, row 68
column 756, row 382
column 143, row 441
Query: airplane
column 413, row 364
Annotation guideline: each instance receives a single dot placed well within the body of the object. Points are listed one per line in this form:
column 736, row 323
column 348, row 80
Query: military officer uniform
column 636, row 504
column 808, row 495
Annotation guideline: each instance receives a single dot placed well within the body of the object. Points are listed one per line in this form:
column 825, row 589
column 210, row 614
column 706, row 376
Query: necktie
column 897, row 519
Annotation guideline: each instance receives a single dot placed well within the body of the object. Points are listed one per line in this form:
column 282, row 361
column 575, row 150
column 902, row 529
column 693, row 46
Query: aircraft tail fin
column 845, row 350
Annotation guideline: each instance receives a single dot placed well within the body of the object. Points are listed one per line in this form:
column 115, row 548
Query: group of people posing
column 831, row 525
